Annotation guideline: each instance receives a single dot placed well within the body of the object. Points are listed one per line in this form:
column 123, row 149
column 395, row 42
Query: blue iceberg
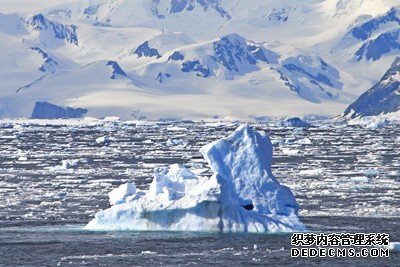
column 241, row 196
column 45, row 110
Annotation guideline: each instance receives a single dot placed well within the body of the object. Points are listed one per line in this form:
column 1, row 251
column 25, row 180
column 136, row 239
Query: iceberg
column 46, row 110
column 242, row 195
column 104, row 140
column 394, row 246
column 66, row 165
column 295, row 122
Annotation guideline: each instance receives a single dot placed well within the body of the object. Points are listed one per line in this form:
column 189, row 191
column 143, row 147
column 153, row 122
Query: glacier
column 242, row 195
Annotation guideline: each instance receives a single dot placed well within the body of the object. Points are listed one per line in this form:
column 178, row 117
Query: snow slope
column 196, row 58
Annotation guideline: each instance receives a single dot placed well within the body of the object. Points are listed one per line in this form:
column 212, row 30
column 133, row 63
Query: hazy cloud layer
column 8, row 6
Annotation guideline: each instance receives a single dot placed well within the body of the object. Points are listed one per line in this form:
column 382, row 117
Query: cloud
column 29, row 6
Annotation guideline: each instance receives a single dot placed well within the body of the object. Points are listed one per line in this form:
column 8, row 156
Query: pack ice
column 242, row 195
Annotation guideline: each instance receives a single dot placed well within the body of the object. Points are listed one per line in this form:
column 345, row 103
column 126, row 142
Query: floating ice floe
column 129, row 171
column 311, row 173
column 65, row 165
column 371, row 172
column 378, row 124
column 112, row 119
column 176, row 129
column 304, row 141
column 174, row 142
column 295, row 122
column 241, row 196
column 104, row 140
column 372, row 122
column 293, row 140
column 394, row 246
column 289, row 151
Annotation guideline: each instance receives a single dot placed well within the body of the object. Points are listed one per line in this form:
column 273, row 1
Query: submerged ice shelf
column 242, row 195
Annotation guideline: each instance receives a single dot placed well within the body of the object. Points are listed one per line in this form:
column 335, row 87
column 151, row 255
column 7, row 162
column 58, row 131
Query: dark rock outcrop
column 144, row 50
column 382, row 98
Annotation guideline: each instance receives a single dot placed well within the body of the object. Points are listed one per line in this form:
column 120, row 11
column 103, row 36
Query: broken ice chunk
column 119, row 195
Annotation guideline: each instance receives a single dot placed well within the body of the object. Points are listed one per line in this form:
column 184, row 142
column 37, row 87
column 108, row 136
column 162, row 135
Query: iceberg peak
column 242, row 161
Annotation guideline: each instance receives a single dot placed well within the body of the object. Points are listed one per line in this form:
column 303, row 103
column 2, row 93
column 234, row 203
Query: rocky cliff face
column 382, row 98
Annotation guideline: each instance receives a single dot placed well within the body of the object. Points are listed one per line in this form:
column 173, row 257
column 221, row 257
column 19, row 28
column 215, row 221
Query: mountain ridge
column 382, row 98
column 303, row 58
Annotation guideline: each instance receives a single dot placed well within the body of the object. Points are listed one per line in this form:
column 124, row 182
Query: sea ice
column 372, row 122
column 174, row 142
column 394, row 246
column 311, row 173
column 371, row 172
column 241, row 196
column 65, row 165
column 304, row 141
column 289, row 151
column 104, row 140
column 378, row 124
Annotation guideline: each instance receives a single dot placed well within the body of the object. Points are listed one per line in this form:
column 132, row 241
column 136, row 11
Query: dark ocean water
column 70, row 245
column 43, row 209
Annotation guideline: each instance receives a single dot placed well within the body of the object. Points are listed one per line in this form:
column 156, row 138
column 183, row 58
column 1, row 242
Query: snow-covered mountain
column 378, row 35
column 382, row 98
column 232, row 56
column 196, row 58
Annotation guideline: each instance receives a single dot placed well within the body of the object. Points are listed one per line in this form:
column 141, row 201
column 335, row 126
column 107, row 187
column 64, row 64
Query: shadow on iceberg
column 241, row 196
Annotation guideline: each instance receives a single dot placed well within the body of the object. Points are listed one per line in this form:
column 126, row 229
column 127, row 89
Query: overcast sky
column 31, row 6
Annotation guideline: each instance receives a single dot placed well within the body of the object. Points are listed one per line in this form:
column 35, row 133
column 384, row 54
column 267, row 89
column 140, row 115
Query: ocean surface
column 345, row 178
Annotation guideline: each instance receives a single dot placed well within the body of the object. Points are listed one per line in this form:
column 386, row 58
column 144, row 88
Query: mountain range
column 200, row 58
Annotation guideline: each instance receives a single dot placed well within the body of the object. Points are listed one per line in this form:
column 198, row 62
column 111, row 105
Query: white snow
column 241, row 196
column 27, row 6
column 119, row 195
